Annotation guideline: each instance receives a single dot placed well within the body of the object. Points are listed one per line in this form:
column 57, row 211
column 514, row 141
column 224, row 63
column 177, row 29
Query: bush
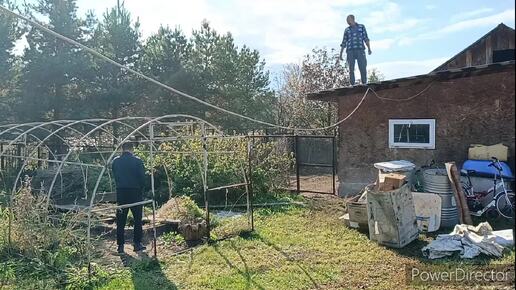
column 44, row 244
column 227, row 162
column 181, row 208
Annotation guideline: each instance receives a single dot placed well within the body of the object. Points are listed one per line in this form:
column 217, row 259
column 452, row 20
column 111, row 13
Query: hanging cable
column 405, row 99
column 171, row 89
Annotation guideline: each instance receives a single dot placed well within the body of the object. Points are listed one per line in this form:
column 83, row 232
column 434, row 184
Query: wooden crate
column 357, row 214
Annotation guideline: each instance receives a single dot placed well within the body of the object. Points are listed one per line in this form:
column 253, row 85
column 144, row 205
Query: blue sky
column 407, row 37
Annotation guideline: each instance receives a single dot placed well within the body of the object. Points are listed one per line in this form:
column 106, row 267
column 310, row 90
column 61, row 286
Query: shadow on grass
column 147, row 273
column 290, row 259
column 245, row 272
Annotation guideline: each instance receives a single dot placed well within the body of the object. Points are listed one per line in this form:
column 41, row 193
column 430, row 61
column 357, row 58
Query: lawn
column 292, row 248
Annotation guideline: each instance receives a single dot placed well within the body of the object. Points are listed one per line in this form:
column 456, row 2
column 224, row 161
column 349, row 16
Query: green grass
column 296, row 248
column 292, row 248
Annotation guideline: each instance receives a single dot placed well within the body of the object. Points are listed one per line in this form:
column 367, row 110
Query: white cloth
column 470, row 241
column 395, row 166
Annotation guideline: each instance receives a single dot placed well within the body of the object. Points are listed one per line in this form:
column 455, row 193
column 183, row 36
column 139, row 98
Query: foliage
column 180, row 208
column 319, row 71
column 180, row 164
column 55, row 80
column 11, row 31
column 172, row 238
column 48, row 93
column 45, row 245
column 375, row 76
column 114, row 90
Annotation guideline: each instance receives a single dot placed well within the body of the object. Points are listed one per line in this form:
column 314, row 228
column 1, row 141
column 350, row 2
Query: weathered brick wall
column 471, row 110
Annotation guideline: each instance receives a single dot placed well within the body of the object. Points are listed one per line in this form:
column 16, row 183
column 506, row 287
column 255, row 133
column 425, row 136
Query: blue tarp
column 483, row 169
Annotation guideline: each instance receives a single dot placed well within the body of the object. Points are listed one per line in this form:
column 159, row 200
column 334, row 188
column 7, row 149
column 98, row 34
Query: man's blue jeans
column 360, row 57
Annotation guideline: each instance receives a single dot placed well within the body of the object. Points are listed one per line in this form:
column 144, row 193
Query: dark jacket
column 129, row 171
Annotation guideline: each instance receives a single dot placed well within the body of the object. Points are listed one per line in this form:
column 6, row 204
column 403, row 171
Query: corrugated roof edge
column 332, row 95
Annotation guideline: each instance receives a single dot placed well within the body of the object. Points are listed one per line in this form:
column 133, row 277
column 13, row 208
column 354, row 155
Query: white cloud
column 470, row 14
column 399, row 69
column 487, row 21
column 383, row 44
column 283, row 30
column 506, row 16
column 389, row 19
column 430, row 6
column 152, row 13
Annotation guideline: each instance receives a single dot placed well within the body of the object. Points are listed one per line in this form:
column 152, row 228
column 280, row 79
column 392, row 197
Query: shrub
column 227, row 162
column 181, row 208
column 44, row 243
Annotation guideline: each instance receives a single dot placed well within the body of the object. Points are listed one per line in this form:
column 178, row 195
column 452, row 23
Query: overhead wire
column 183, row 94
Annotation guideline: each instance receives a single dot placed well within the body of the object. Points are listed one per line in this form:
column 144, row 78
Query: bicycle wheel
column 505, row 204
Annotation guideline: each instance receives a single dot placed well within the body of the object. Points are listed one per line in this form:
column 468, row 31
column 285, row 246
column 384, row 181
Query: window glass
column 412, row 133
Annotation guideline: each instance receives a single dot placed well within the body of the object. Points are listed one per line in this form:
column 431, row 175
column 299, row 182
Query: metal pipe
column 334, row 164
column 249, row 181
column 120, row 206
column 151, row 156
column 205, row 180
column 296, row 152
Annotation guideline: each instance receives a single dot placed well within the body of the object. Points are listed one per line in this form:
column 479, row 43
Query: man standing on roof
column 129, row 173
column 355, row 36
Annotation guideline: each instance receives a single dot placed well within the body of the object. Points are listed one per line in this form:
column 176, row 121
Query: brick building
column 467, row 100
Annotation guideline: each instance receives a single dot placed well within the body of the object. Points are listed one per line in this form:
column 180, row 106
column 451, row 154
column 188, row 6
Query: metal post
column 151, row 156
column 89, row 243
column 296, row 152
column 334, row 164
column 39, row 157
column 155, row 244
column 2, row 160
column 249, row 186
column 205, row 180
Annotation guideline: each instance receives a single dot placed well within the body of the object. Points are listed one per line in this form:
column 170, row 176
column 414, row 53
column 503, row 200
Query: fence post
column 334, row 164
column 250, row 183
column 296, row 151
column 205, row 180
column 151, row 155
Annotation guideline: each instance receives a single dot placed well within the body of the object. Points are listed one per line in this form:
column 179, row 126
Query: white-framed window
column 412, row 133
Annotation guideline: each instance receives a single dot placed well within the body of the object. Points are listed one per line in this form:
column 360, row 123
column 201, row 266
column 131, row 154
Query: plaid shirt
column 354, row 37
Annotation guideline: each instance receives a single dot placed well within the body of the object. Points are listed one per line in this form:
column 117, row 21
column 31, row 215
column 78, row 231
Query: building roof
column 332, row 95
column 500, row 27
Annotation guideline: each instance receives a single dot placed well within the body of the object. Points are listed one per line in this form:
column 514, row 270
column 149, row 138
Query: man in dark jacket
column 129, row 173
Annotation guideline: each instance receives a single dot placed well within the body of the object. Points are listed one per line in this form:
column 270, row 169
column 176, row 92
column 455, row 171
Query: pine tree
column 116, row 90
column 51, row 66
column 10, row 33
column 164, row 57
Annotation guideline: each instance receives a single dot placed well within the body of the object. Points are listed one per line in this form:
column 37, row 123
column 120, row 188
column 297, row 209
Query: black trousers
column 128, row 196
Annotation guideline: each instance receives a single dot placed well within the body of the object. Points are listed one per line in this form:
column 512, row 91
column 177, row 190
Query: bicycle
column 502, row 202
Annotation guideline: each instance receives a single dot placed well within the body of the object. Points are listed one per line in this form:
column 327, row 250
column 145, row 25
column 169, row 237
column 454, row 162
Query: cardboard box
column 392, row 181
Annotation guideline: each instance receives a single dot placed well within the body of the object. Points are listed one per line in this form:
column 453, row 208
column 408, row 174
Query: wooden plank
column 460, row 197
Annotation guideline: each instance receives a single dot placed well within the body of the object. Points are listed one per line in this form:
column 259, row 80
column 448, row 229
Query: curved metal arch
column 81, row 139
column 52, row 134
column 131, row 134
column 24, row 164
column 40, row 124
column 55, row 133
